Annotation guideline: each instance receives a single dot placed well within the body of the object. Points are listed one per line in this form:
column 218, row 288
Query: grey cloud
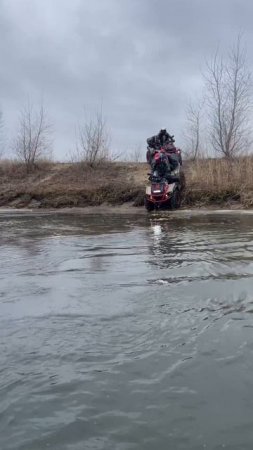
column 141, row 58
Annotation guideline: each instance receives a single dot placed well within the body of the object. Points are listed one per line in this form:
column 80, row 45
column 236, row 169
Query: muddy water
column 126, row 333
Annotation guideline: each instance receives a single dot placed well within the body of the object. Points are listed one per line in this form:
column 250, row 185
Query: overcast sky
column 141, row 58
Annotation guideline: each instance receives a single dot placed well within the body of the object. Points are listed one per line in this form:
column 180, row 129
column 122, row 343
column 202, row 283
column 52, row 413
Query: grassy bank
column 218, row 183
column 66, row 185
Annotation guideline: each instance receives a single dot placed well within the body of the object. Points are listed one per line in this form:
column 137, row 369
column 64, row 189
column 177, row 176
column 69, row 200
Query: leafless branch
column 193, row 130
column 93, row 140
column 1, row 135
column 136, row 154
column 229, row 86
column 33, row 141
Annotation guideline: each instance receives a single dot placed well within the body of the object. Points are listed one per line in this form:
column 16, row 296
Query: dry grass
column 208, row 183
column 65, row 185
column 220, row 181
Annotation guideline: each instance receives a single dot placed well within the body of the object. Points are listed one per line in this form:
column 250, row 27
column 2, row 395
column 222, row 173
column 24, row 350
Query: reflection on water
column 126, row 332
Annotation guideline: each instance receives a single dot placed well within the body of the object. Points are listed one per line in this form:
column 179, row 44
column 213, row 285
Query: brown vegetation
column 220, row 182
column 65, row 185
column 217, row 182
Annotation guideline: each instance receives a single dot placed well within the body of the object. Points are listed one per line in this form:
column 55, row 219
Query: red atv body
column 165, row 193
column 169, row 149
column 162, row 194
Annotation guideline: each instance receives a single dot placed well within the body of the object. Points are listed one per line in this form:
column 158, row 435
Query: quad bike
column 164, row 192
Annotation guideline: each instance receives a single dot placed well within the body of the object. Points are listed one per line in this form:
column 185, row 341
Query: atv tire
column 175, row 200
column 148, row 205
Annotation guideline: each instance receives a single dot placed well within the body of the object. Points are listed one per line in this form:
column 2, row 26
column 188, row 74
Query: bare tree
column 33, row 141
column 1, row 135
column 136, row 154
column 93, row 140
column 193, row 131
column 229, row 99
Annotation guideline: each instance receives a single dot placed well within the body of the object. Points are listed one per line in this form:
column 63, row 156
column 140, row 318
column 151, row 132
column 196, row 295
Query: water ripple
column 126, row 333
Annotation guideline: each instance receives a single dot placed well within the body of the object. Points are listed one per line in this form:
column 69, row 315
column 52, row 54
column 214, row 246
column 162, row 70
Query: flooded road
column 126, row 332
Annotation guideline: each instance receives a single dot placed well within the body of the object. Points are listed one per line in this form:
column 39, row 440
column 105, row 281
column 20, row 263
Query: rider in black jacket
column 161, row 164
column 160, row 139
